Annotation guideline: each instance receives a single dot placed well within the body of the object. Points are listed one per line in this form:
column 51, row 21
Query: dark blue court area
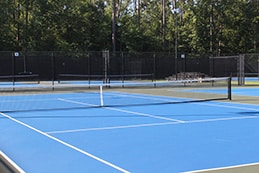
column 67, row 133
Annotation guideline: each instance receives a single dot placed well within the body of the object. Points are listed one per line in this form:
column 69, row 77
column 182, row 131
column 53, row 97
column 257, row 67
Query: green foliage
column 200, row 26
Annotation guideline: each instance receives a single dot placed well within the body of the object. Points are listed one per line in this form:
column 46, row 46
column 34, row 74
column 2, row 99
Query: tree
column 7, row 27
column 215, row 27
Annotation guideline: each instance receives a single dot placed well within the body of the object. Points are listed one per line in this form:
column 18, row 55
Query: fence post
column 106, row 57
column 241, row 69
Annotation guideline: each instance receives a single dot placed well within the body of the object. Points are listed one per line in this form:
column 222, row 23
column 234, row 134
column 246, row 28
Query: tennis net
column 56, row 96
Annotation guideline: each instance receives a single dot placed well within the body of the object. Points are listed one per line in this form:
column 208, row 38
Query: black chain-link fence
column 149, row 65
column 252, row 65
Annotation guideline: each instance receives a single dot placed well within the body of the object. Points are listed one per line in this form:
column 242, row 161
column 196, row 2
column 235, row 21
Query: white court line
column 175, row 121
column 151, row 125
column 144, row 114
column 111, row 128
column 124, row 111
column 66, row 144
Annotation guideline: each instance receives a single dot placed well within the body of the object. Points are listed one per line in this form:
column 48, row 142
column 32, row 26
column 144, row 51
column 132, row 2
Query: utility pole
column 211, row 28
column 139, row 2
column 163, row 23
column 113, row 26
column 176, row 39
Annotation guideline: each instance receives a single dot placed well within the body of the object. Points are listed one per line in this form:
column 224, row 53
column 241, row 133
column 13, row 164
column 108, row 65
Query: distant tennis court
column 168, row 127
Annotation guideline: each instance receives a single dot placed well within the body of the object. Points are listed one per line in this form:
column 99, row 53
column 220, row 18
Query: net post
column 101, row 95
column 229, row 88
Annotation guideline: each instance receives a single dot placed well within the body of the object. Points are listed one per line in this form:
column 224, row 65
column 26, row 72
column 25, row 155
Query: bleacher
column 187, row 76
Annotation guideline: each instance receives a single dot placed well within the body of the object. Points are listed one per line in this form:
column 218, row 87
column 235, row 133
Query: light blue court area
column 166, row 138
column 252, row 79
column 249, row 79
column 235, row 91
column 246, row 91
column 17, row 84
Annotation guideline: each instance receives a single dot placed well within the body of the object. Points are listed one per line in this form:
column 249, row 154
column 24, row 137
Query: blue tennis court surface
column 250, row 79
column 235, row 91
column 246, row 91
column 10, row 84
column 166, row 138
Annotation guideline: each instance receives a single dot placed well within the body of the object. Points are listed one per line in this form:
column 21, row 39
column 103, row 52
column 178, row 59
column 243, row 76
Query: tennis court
column 131, row 129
